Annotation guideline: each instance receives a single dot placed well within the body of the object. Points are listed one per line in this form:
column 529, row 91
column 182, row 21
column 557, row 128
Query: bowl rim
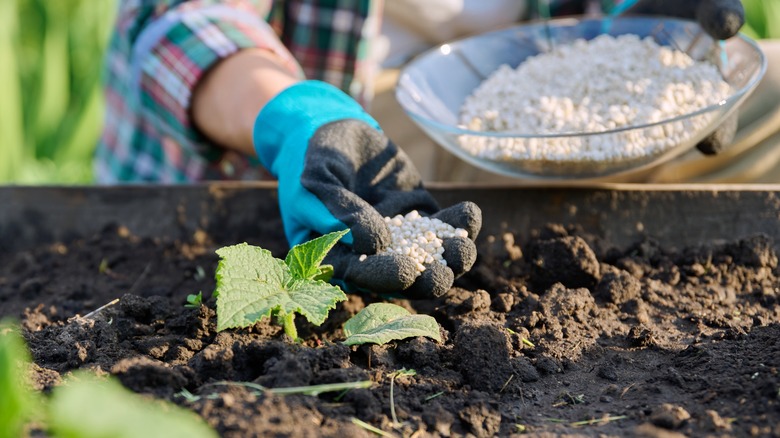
column 456, row 130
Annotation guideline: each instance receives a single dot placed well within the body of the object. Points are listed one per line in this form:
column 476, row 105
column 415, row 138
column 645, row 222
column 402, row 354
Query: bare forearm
column 227, row 100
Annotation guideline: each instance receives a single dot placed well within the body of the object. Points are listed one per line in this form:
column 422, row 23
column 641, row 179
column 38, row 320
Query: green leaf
column 772, row 16
column 325, row 273
column 194, row 301
column 252, row 284
column 17, row 401
column 304, row 259
column 381, row 323
column 12, row 133
column 87, row 407
column 373, row 316
column 755, row 17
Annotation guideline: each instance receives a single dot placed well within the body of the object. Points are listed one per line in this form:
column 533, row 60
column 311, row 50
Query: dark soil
column 558, row 335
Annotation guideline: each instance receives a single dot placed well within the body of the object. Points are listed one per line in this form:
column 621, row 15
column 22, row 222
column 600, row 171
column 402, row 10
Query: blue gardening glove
column 721, row 19
column 336, row 170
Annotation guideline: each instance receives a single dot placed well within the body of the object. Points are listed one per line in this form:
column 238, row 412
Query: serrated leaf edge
column 329, row 305
column 221, row 325
column 331, row 240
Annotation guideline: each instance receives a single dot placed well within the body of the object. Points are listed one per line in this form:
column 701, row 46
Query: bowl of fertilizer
column 579, row 98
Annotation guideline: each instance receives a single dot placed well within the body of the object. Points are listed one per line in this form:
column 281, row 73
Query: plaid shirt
column 161, row 48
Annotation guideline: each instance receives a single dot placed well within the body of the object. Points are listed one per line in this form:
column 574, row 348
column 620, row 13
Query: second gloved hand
column 721, row 19
column 336, row 170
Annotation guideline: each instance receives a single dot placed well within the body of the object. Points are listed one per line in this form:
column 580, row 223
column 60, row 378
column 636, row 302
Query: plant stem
column 99, row 309
column 312, row 390
column 431, row 397
column 598, row 420
column 370, row 428
column 288, row 322
column 401, row 372
column 392, row 402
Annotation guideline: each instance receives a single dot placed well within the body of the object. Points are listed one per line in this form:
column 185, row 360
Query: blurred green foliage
column 763, row 18
column 50, row 66
column 51, row 54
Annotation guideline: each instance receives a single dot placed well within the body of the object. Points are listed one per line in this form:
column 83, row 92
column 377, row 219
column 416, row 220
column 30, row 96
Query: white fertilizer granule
column 592, row 86
column 420, row 237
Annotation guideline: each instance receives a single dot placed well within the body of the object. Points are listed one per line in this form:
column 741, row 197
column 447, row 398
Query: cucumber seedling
column 252, row 284
column 194, row 301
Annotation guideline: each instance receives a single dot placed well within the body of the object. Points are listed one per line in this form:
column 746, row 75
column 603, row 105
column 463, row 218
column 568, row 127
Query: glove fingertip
column 383, row 274
column 721, row 139
column 370, row 234
column 434, row 282
column 722, row 19
column 460, row 253
column 466, row 215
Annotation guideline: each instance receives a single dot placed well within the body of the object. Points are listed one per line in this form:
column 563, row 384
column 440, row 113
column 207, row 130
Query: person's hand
column 336, row 170
column 721, row 19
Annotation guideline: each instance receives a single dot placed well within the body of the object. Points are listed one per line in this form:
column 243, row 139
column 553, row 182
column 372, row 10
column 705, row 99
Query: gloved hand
column 721, row 19
column 336, row 170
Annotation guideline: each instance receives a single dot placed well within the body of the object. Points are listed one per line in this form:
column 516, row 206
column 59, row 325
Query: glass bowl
column 432, row 89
